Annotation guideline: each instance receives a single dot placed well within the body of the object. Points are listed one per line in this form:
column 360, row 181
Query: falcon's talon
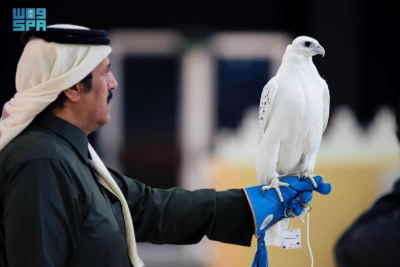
column 275, row 183
column 308, row 175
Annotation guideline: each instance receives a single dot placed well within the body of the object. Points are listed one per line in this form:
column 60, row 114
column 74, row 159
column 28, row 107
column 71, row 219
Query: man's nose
column 113, row 84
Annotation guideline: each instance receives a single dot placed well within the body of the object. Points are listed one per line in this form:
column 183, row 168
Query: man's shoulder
column 33, row 143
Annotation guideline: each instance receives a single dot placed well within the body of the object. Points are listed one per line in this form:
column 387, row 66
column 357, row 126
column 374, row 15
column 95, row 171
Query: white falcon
column 293, row 114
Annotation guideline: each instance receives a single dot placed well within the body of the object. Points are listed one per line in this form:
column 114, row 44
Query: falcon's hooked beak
column 319, row 50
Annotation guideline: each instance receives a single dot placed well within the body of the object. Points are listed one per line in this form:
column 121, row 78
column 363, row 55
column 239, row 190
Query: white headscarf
column 44, row 71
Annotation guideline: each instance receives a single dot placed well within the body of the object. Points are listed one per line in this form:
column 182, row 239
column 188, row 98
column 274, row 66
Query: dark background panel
column 151, row 152
column 240, row 83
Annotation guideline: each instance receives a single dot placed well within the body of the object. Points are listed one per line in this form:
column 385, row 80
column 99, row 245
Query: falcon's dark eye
column 307, row 44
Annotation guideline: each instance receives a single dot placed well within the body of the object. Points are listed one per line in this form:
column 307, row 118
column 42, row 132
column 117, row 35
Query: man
column 373, row 240
column 60, row 206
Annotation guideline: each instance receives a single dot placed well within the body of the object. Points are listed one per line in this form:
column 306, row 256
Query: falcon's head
column 307, row 46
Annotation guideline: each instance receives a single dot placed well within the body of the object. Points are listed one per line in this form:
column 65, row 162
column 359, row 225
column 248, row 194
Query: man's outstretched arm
column 178, row 216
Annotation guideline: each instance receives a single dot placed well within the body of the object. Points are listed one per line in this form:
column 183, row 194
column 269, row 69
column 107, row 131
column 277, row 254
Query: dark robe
column 54, row 212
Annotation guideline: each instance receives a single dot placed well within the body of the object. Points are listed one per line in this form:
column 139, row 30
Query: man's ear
column 74, row 93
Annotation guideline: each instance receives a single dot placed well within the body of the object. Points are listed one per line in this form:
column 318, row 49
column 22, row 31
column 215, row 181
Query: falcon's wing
column 266, row 104
column 326, row 106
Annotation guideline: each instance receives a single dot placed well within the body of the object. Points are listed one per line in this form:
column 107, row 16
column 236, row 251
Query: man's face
column 97, row 101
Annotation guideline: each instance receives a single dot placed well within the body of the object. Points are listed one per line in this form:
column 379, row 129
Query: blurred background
column 190, row 78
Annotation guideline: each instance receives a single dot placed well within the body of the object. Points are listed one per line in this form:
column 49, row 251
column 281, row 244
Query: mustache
column 110, row 96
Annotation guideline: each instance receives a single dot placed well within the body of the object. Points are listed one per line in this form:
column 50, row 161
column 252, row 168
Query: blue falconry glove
column 267, row 208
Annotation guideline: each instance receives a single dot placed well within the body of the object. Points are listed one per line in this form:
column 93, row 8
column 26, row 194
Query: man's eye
column 307, row 44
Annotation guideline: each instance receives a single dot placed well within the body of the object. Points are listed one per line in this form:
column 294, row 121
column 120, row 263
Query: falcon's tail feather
column 273, row 235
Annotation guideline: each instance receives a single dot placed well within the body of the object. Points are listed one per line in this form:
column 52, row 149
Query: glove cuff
column 252, row 212
column 266, row 208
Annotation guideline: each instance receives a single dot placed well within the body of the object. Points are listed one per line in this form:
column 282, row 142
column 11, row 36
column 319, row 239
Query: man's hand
column 266, row 207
